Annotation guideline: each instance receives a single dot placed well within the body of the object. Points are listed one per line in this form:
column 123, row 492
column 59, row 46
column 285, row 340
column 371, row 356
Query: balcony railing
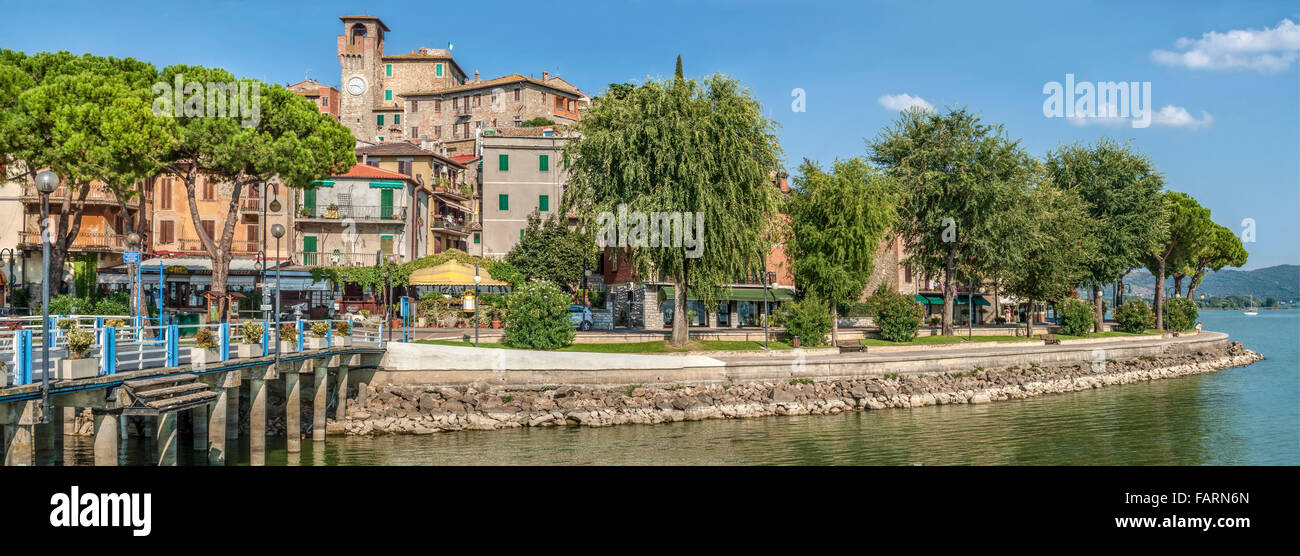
column 186, row 245
column 355, row 212
column 97, row 195
column 445, row 225
column 310, row 258
column 250, row 205
column 84, row 241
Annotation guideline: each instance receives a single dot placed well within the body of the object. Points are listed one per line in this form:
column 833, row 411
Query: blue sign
column 406, row 306
column 131, row 257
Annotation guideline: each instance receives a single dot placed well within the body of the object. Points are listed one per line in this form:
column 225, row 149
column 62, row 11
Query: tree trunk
column 1029, row 318
column 1178, row 285
column 62, row 235
column 948, row 293
column 1119, row 291
column 997, row 303
column 1159, row 300
column 835, row 326
column 1195, row 283
column 1098, row 308
column 218, row 251
column 680, row 333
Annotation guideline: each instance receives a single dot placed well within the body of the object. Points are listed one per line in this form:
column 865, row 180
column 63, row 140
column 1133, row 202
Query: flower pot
column 794, row 341
column 288, row 347
column 246, row 351
column 312, row 342
column 496, row 324
column 423, row 322
column 202, row 357
column 86, row 367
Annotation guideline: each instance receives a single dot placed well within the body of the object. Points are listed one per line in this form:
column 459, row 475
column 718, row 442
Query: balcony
column 383, row 214
column 83, row 242
column 239, row 248
column 97, row 196
column 458, row 228
column 311, row 258
column 253, row 206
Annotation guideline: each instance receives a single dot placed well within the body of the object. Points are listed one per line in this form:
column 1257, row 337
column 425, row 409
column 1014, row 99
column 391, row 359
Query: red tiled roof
column 364, row 171
column 504, row 80
column 463, row 158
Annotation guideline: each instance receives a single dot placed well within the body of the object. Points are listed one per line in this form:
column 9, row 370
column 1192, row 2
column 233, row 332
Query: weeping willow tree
column 695, row 153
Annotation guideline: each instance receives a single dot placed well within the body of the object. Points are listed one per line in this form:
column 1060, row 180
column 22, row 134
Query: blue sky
column 1231, row 138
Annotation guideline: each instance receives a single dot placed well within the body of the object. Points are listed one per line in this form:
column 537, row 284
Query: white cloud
column 1267, row 50
column 1177, row 116
column 904, row 101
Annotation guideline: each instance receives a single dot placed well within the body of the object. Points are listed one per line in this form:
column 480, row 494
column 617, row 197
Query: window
column 503, row 202
column 397, row 119
column 503, row 162
column 476, row 239
column 386, row 244
column 544, row 203
column 437, row 132
column 478, row 100
column 209, row 191
column 388, row 94
column 437, row 106
column 415, row 131
column 415, row 106
column 518, row 93
column 455, row 103
column 379, row 119
column 404, row 167
column 438, row 70
column 325, row 101
column 250, row 232
column 388, row 70
column 165, row 200
column 209, row 227
column 166, row 231
column 544, row 163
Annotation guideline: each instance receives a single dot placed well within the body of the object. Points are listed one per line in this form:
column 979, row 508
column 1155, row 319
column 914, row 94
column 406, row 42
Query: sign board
column 266, row 306
column 131, row 257
column 266, row 285
column 406, row 306
column 214, row 313
column 468, row 303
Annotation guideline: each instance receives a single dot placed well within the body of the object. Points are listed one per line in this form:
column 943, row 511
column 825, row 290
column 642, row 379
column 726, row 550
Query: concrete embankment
column 604, row 390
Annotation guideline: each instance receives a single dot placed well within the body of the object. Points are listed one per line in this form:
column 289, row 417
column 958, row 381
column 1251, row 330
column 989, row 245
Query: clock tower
column 360, row 49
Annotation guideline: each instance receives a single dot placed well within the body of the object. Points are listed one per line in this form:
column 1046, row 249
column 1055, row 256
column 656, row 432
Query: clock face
column 356, row 85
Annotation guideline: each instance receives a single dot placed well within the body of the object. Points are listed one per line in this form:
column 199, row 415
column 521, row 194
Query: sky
column 1223, row 79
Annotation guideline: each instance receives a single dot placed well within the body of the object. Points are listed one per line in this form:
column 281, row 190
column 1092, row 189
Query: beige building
column 347, row 218
column 521, row 174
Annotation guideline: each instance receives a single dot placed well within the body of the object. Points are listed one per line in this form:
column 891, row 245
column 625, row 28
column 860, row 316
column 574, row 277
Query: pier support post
column 320, row 398
column 218, row 418
column 292, row 413
column 69, row 415
column 257, row 421
column 340, row 410
column 232, row 413
column 199, row 426
column 20, row 420
column 107, row 439
column 167, row 439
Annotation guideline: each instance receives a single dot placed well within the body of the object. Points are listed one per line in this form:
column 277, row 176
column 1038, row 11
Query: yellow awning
column 452, row 273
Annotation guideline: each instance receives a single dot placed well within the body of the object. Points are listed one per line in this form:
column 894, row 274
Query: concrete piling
column 20, row 432
column 232, row 414
column 217, row 428
column 340, row 410
column 166, row 439
column 107, row 439
column 199, row 426
column 257, row 421
column 292, row 413
column 320, row 399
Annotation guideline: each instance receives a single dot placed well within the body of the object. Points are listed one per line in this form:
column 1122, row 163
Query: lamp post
column 586, row 275
column 477, row 279
column 46, row 183
column 133, row 243
column 9, row 284
column 258, row 266
column 277, row 231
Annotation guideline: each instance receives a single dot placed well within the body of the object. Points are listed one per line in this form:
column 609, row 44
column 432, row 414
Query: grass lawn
column 630, row 347
column 1113, row 334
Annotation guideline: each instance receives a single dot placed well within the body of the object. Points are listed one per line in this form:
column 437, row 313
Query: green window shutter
column 503, row 162
column 379, row 119
column 388, row 70
column 386, row 203
column 439, row 70
column 521, row 235
column 476, row 238
column 386, row 244
column 309, row 203
column 397, row 118
column 503, row 202
column 388, row 94
column 309, row 250
column 544, row 203
column 544, row 162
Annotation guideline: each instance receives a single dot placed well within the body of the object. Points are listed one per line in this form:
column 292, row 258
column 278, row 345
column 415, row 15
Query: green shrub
column 319, row 329
column 809, row 319
column 66, row 324
column 252, row 332
column 66, row 304
column 855, row 309
column 537, row 317
column 79, row 341
column 897, row 315
column 116, row 304
column 115, row 323
column 1135, row 316
column 1077, row 317
column 506, row 272
column 1180, row 314
column 343, row 328
column 205, row 338
column 288, row 333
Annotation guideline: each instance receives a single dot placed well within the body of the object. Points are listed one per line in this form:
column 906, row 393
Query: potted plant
column 316, row 340
column 332, row 211
column 205, row 349
column 77, row 365
column 342, row 333
column 251, row 333
column 494, row 315
column 288, row 338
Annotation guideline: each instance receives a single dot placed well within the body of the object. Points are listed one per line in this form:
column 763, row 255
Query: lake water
column 1242, row 416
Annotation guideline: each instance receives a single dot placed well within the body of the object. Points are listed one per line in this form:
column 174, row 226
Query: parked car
column 580, row 317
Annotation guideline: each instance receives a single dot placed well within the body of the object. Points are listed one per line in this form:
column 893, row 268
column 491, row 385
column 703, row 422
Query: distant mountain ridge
column 1281, row 282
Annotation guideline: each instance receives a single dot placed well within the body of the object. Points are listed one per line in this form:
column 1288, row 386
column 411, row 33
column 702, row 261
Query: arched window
column 358, row 31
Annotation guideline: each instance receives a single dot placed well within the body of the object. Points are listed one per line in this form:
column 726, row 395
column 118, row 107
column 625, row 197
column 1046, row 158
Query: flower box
column 202, row 357
column 312, row 342
column 68, row 369
column 247, row 351
column 288, row 347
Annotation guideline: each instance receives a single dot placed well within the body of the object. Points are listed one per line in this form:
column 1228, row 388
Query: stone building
column 324, row 96
column 521, row 174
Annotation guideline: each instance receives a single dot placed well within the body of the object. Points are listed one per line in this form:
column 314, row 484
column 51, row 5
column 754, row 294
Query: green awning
column 387, row 184
column 979, row 300
column 739, row 294
column 934, row 300
column 920, row 299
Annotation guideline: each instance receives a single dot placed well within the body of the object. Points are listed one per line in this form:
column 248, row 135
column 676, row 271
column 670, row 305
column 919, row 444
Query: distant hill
column 1281, row 282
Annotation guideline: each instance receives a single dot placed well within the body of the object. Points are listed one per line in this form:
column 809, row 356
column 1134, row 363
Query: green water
column 1242, row 416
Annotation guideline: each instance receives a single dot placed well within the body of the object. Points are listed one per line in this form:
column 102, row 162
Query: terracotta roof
column 464, row 158
column 403, row 148
column 370, row 17
column 512, row 78
column 364, row 171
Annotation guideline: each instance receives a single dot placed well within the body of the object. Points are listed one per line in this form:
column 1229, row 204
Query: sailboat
column 1251, row 311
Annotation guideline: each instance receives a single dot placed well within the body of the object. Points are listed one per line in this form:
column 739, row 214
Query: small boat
column 1251, row 312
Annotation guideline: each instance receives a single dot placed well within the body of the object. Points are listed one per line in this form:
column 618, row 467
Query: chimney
column 476, row 76
column 546, row 75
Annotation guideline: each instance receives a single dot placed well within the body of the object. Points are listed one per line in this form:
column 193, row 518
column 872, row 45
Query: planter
column 342, row 341
column 312, row 342
column 246, row 351
column 86, row 367
column 288, row 347
column 496, row 324
column 202, row 357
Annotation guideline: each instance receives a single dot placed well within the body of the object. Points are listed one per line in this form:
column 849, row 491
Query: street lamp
column 277, row 231
column 46, row 183
column 9, row 284
column 586, row 275
column 477, row 279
